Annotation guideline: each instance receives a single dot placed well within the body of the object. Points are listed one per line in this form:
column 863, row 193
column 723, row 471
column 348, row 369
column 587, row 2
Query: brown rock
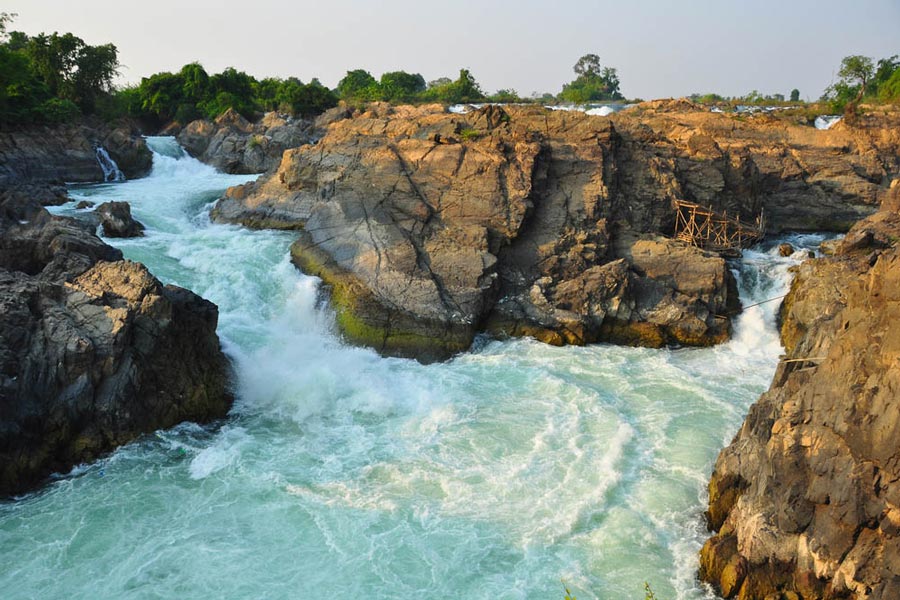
column 94, row 351
column 513, row 219
column 815, row 514
column 234, row 145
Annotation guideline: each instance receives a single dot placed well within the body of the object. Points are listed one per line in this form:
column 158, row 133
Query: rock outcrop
column 94, row 351
column 805, row 502
column 116, row 220
column 233, row 144
column 432, row 226
column 66, row 153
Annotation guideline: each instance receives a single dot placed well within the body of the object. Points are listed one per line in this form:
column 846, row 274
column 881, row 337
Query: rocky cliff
column 67, row 153
column 430, row 227
column 94, row 350
column 805, row 502
column 233, row 144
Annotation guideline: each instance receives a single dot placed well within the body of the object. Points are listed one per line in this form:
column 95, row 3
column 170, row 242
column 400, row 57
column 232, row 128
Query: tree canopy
column 192, row 93
column 862, row 78
column 51, row 78
column 594, row 82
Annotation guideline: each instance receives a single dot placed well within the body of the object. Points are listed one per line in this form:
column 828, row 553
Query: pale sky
column 660, row 48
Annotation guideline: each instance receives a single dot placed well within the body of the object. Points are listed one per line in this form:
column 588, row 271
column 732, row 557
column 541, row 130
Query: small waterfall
column 826, row 121
column 111, row 171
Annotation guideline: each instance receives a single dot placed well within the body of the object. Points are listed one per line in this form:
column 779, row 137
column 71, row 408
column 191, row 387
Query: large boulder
column 806, row 499
column 116, row 219
column 233, row 144
column 94, row 351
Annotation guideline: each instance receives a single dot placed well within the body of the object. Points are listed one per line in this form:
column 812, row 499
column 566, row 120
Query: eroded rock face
column 234, row 145
column 66, row 153
column 806, row 499
column 431, row 226
column 94, row 350
column 116, row 219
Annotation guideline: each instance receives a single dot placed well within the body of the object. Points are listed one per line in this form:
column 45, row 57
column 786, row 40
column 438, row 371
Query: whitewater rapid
column 343, row 474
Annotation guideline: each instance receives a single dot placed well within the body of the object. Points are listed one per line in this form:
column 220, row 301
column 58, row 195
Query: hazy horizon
column 661, row 49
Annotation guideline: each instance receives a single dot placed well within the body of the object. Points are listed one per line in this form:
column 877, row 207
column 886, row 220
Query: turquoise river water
column 341, row 474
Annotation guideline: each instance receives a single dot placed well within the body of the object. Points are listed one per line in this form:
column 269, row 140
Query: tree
column 857, row 70
column 795, row 95
column 266, row 93
column 440, row 81
column 72, row 69
column 593, row 82
column 400, row 86
column 588, row 65
column 5, row 18
column 358, row 85
column 505, row 97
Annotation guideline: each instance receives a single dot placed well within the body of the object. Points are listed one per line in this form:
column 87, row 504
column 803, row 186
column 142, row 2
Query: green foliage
column 358, row 86
column 400, row 86
column 568, row 595
column 649, row 592
column 707, row 98
column 5, row 18
column 51, row 78
column 469, row 135
column 306, row 100
column 889, row 90
column 795, row 95
column 59, row 110
column 72, row 69
column 463, row 90
column 594, row 82
column 861, row 78
column 505, row 97
column 193, row 94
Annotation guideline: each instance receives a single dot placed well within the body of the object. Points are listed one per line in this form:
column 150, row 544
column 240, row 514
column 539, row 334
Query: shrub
column 59, row 110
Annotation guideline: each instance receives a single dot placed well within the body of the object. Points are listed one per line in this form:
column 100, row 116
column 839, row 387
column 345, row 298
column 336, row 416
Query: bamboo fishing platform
column 705, row 228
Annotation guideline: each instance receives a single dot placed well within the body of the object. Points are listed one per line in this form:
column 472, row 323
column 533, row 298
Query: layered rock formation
column 234, row 145
column 805, row 502
column 67, row 153
column 94, row 350
column 431, row 227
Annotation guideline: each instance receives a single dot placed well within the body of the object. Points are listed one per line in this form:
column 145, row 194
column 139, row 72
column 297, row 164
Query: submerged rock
column 116, row 219
column 430, row 227
column 94, row 351
column 806, row 499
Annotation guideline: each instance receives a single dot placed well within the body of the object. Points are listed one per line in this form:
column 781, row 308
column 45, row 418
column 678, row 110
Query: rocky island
column 430, row 227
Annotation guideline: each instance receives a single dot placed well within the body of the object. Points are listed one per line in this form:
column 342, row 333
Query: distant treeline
column 860, row 79
column 58, row 77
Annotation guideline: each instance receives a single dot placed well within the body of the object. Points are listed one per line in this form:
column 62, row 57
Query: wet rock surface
column 94, row 351
column 806, row 499
column 116, row 220
column 430, row 226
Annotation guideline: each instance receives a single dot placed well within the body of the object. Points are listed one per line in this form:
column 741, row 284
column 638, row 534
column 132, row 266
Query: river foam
column 341, row 473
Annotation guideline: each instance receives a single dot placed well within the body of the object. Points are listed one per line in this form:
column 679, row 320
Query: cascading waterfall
column 340, row 473
column 111, row 171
